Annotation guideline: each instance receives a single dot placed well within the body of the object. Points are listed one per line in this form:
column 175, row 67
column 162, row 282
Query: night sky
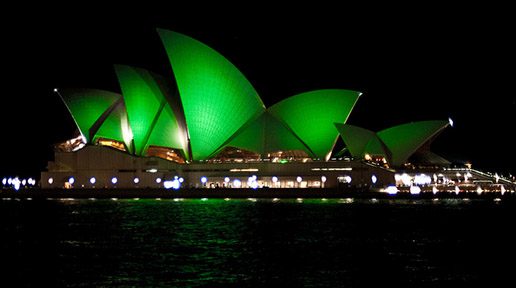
column 428, row 65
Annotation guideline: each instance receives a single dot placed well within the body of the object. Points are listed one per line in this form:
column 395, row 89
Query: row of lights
column 16, row 183
column 177, row 181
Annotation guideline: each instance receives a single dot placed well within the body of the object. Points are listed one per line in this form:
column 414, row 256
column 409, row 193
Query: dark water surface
column 241, row 243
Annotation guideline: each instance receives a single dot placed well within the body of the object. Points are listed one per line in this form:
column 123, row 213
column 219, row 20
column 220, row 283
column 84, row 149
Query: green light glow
column 360, row 141
column 87, row 106
column 216, row 97
column 150, row 116
column 116, row 127
column 395, row 143
column 404, row 140
column 312, row 115
column 267, row 134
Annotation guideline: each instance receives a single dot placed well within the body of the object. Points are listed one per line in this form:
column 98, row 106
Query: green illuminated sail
column 217, row 98
column 312, row 115
column 150, row 116
column 404, row 140
column 360, row 141
column 267, row 134
column 116, row 127
column 89, row 107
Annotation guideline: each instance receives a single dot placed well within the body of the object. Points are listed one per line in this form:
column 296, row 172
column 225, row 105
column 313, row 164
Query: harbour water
column 257, row 243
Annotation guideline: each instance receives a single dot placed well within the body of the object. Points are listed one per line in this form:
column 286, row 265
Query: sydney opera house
column 208, row 127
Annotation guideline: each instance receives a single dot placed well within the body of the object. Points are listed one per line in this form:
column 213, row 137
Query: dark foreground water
column 240, row 243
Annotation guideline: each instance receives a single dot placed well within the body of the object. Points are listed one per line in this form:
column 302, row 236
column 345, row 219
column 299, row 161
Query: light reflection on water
column 256, row 243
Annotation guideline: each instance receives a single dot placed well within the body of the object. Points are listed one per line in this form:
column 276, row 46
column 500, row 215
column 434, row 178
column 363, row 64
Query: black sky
column 425, row 65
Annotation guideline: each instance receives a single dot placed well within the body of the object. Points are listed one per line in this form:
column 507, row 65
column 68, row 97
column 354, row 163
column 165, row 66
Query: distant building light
column 299, row 179
column 174, row 184
column 153, row 170
column 71, row 180
column 274, row 179
column 237, row 183
column 391, row 190
column 226, row 179
column 114, row 180
column 374, row 179
column 4, row 181
column 158, row 180
column 323, row 179
column 204, row 179
column 244, row 170
column 136, row 180
column 333, row 169
column 93, row 180
column 181, row 179
column 50, row 180
column 450, row 121
column 414, row 190
column 23, row 182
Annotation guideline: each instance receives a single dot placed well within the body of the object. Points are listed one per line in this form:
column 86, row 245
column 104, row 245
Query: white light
column 174, row 184
column 136, row 180
column 237, row 183
column 50, row 180
column 226, row 179
column 457, row 190
column 406, row 179
column 93, row 180
column 374, row 179
column 204, row 180
column 299, row 179
column 153, row 170
column 414, row 190
column 181, row 180
column 9, row 181
column 23, row 182
column 347, row 179
column 434, row 190
column 71, row 180
column 450, row 121
column 479, row 190
column 30, row 181
column 502, row 190
column 4, row 181
column 114, row 180
column 323, row 179
column 254, row 185
column 55, row 90
column 158, row 180
column 274, row 179
column 497, row 177
column 391, row 190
